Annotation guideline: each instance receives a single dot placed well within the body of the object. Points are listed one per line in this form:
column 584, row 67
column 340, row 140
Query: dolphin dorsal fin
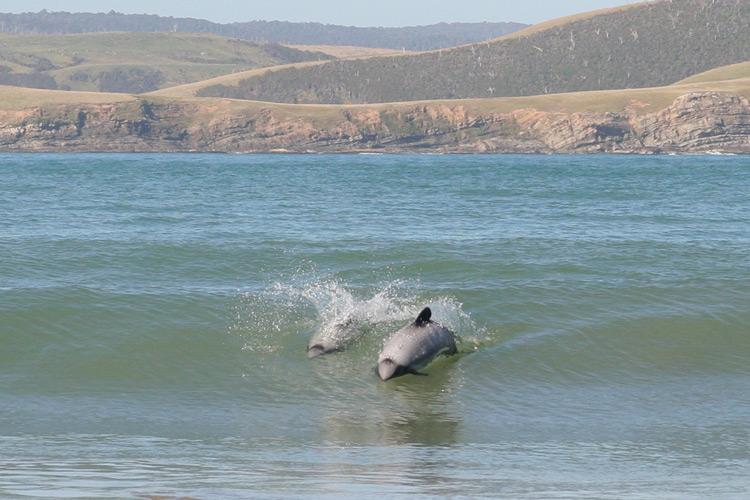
column 424, row 317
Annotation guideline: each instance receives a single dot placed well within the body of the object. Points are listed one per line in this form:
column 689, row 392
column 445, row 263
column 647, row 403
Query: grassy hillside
column 190, row 90
column 649, row 44
column 19, row 98
column 640, row 101
column 732, row 72
column 132, row 62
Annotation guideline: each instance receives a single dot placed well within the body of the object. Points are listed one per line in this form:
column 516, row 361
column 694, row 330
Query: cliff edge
column 696, row 122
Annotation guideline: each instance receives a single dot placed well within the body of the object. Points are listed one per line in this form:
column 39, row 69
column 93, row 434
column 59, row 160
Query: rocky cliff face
column 698, row 122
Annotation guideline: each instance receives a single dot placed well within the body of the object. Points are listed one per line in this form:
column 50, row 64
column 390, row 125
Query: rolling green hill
column 644, row 45
column 132, row 62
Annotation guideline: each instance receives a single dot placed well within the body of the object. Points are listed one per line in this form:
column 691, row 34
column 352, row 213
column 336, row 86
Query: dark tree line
column 410, row 38
column 35, row 79
column 129, row 80
column 125, row 80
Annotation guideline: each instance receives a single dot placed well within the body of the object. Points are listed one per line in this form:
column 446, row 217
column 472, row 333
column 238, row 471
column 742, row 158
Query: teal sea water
column 155, row 310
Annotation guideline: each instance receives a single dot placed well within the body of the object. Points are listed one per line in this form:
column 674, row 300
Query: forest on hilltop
column 412, row 38
column 649, row 44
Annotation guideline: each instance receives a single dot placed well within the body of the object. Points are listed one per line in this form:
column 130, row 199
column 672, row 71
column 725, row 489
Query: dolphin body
column 414, row 347
column 333, row 338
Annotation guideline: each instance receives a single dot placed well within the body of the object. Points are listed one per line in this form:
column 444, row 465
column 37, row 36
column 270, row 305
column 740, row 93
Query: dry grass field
column 345, row 52
column 641, row 101
column 19, row 98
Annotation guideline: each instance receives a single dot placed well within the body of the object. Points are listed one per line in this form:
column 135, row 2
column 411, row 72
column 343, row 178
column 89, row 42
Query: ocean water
column 155, row 310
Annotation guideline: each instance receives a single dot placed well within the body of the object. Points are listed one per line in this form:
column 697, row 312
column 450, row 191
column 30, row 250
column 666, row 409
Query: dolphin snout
column 386, row 369
column 315, row 351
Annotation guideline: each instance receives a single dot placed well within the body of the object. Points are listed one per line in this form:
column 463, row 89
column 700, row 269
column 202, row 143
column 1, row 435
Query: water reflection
column 410, row 410
column 396, row 434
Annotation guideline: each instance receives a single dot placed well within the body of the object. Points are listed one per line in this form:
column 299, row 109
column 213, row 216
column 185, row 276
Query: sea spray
column 285, row 314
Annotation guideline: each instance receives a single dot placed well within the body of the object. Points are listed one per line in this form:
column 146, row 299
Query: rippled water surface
column 155, row 310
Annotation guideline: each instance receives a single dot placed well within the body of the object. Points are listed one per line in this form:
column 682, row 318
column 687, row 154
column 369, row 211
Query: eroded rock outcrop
column 696, row 122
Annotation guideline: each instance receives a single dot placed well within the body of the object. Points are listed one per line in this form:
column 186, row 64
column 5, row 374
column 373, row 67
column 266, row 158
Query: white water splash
column 273, row 318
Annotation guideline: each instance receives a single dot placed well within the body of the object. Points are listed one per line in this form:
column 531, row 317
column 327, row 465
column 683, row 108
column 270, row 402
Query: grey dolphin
column 414, row 347
column 336, row 337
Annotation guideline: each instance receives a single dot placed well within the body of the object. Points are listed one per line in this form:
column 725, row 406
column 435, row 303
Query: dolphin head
column 316, row 350
column 388, row 369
